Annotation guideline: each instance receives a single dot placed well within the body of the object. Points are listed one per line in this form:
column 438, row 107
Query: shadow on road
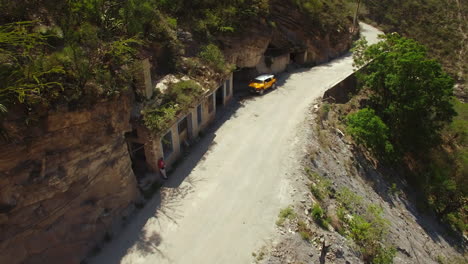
column 135, row 238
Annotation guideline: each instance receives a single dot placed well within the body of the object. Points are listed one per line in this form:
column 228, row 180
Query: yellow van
column 262, row 83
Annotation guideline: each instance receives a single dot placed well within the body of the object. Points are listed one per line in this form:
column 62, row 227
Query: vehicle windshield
column 257, row 81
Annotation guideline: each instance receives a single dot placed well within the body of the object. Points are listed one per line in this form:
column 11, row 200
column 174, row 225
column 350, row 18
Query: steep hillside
column 441, row 25
column 71, row 77
column 348, row 208
column 384, row 175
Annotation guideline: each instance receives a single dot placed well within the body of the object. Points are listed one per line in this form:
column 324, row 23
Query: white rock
column 163, row 84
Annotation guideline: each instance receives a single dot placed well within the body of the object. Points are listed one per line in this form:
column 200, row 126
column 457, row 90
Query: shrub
column 286, row 213
column 319, row 216
column 178, row 97
column 213, row 56
column 172, row 22
column 311, row 7
column 312, row 175
column 367, row 228
column 456, row 221
column 384, row 255
column 369, row 232
column 160, row 117
column 323, row 111
column 393, row 190
column 320, row 190
column 183, row 93
column 409, row 91
column 458, row 128
column 320, row 187
column 304, row 231
column 317, row 212
column 369, row 130
column 349, row 199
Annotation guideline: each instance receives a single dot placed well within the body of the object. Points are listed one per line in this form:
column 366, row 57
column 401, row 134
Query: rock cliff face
column 289, row 31
column 245, row 50
column 65, row 179
column 64, row 183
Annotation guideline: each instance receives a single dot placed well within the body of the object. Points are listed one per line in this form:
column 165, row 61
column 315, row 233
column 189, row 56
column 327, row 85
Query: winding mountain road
column 222, row 201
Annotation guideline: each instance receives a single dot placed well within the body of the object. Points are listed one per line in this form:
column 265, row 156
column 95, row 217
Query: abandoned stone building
column 146, row 148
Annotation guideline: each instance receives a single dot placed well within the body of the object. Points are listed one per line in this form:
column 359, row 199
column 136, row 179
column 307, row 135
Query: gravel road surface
column 222, row 201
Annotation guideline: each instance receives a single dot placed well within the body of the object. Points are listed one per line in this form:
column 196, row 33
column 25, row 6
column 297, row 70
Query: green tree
column 213, row 56
column 356, row 13
column 410, row 91
column 368, row 129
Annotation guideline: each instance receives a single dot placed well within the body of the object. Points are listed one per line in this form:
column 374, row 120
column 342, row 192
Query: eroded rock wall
column 64, row 182
column 289, row 30
column 246, row 49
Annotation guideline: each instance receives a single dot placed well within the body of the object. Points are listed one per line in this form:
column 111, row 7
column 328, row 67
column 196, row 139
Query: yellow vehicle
column 262, row 83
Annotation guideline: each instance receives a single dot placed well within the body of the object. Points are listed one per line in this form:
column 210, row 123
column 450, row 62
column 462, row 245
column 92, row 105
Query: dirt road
column 221, row 203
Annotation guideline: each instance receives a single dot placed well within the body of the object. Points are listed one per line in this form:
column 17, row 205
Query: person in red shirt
column 162, row 168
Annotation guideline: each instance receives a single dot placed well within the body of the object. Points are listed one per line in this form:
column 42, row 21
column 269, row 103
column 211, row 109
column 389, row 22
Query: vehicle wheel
column 262, row 91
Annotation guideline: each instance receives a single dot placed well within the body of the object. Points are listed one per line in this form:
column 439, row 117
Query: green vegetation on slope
column 368, row 129
column 441, row 25
column 410, row 92
column 77, row 52
column 212, row 55
column 332, row 15
column 208, row 17
column 446, row 173
column 179, row 97
column 74, row 52
column 411, row 95
column 360, row 222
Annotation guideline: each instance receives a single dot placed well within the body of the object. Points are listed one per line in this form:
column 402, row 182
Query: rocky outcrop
column 246, row 50
column 288, row 31
column 67, row 177
column 63, row 182
column 295, row 31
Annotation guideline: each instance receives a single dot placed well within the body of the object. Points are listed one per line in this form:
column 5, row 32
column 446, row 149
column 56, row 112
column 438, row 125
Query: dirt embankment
column 334, row 173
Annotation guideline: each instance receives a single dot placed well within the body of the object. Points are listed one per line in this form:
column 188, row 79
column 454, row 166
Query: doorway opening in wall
column 199, row 115
column 136, row 149
column 167, row 146
column 293, row 57
column 139, row 160
column 298, row 57
column 220, row 96
column 241, row 79
column 185, row 131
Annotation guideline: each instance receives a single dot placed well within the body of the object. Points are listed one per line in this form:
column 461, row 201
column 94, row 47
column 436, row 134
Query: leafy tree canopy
column 409, row 90
column 368, row 129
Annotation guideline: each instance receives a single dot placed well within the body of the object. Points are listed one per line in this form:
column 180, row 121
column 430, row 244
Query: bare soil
column 418, row 237
column 221, row 203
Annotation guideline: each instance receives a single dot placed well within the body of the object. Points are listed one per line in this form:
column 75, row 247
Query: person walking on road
column 162, row 168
